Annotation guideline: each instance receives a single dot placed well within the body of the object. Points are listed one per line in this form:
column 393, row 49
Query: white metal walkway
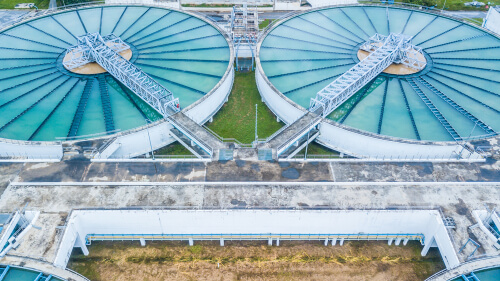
column 385, row 50
column 105, row 51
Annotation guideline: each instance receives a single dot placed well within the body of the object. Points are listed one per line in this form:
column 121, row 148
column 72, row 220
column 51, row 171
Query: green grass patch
column 265, row 23
column 316, row 149
column 173, row 149
column 236, row 119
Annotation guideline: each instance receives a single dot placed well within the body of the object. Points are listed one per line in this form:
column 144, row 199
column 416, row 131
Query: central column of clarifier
column 92, row 67
column 397, row 68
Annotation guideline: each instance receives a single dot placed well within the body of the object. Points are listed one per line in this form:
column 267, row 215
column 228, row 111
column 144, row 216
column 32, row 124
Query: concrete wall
column 7, row 241
column 356, row 144
column 282, row 108
column 479, row 216
column 138, row 142
column 492, row 20
column 275, row 222
column 26, row 150
column 211, row 103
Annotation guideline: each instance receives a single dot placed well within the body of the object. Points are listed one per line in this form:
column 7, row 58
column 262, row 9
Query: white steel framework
column 105, row 51
column 384, row 50
column 244, row 29
column 80, row 55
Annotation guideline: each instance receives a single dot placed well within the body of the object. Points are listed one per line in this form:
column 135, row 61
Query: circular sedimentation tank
column 461, row 80
column 16, row 273
column 490, row 274
column 41, row 100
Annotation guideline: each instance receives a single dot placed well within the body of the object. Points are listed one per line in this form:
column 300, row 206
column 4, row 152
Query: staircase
column 106, row 104
column 453, row 104
column 77, row 118
column 434, row 110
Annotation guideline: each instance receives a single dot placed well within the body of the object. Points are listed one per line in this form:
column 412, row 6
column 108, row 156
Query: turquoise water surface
column 492, row 274
column 14, row 273
column 307, row 52
column 41, row 101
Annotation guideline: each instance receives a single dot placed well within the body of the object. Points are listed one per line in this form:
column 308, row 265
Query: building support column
column 80, row 243
column 427, row 246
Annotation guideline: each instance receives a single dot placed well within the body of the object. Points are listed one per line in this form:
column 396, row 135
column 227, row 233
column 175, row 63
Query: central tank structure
column 454, row 97
column 42, row 100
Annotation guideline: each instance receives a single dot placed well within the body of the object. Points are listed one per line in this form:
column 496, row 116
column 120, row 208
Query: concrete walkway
column 466, row 268
column 77, row 170
column 42, row 266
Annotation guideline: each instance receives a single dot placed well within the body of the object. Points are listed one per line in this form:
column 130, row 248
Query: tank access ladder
column 92, row 47
column 384, row 50
column 470, row 277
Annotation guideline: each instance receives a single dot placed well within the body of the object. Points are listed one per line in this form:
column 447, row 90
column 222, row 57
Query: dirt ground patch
column 356, row 260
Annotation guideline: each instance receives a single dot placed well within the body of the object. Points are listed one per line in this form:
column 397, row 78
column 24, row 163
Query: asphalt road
column 466, row 14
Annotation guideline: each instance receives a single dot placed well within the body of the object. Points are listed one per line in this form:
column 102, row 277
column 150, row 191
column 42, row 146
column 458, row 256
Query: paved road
column 466, row 14
column 459, row 14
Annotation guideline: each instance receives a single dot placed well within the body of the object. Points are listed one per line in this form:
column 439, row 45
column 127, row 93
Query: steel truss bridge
column 105, row 51
column 384, row 50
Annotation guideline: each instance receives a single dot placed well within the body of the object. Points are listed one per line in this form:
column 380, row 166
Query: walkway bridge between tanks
column 384, row 51
column 293, row 138
column 194, row 137
column 105, row 50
